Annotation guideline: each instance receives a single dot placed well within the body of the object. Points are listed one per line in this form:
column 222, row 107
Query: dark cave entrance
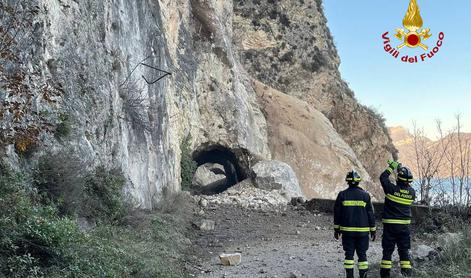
column 231, row 168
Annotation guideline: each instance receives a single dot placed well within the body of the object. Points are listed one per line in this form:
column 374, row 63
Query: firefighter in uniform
column 354, row 221
column 397, row 218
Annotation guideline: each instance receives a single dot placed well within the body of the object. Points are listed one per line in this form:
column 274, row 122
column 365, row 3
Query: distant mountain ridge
column 403, row 140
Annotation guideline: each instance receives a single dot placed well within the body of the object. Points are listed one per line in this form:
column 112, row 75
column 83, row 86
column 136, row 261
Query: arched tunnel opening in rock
column 218, row 169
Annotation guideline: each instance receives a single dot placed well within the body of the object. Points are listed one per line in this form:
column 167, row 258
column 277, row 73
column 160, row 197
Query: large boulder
column 277, row 175
column 208, row 174
column 305, row 139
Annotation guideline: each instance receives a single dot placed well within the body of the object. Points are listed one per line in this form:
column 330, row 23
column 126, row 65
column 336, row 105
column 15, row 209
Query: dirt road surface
column 284, row 243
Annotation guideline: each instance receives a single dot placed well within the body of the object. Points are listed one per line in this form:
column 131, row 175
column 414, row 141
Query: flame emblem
column 413, row 22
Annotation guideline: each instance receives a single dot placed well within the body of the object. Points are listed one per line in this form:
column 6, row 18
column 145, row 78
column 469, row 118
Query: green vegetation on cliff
column 39, row 240
column 187, row 164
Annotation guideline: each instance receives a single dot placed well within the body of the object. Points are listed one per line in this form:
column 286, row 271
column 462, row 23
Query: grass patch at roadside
column 154, row 248
column 454, row 259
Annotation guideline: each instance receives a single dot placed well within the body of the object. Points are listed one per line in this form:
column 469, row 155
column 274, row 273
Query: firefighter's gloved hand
column 373, row 235
column 337, row 234
column 393, row 164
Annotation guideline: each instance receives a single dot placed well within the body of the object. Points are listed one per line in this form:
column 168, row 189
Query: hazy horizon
column 439, row 88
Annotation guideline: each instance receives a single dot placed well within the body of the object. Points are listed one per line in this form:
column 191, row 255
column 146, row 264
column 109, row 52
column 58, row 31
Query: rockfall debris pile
column 246, row 195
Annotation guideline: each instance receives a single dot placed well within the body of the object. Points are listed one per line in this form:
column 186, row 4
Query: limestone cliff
column 135, row 78
column 288, row 46
column 94, row 52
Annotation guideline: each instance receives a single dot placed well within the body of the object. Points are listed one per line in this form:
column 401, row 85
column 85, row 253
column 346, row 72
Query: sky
column 438, row 88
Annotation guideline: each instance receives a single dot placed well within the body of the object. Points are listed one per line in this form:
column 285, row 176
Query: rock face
column 286, row 45
column 104, row 58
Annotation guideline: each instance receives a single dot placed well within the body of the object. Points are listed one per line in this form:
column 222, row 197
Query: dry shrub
column 135, row 105
column 19, row 97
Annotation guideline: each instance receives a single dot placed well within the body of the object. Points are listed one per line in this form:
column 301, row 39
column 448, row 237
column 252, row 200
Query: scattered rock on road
column 203, row 202
column 205, row 225
column 230, row 259
column 245, row 195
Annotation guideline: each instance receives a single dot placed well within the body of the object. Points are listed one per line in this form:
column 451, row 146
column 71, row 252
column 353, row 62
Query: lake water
column 442, row 191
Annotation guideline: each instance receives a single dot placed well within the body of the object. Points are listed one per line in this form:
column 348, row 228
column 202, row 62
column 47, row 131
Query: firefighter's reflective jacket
column 353, row 212
column 398, row 200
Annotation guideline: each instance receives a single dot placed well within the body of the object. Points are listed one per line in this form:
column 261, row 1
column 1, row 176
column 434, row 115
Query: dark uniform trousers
column 396, row 222
column 358, row 244
column 354, row 219
column 396, row 234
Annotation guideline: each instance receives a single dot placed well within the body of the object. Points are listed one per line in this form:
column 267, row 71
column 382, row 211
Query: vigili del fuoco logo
column 412, row 37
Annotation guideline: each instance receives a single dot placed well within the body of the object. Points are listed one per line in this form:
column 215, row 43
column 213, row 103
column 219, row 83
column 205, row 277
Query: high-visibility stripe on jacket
column 355, row 229
column 398, row 200
column 354, row 203
column 353, row 212
column 396, row 221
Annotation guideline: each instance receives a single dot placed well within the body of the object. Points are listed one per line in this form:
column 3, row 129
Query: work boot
column 385, row 273
column 363, row 273
column 349, row 273
column 406, row 272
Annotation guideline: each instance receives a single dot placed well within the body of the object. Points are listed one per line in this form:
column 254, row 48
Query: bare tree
column 463, row 146
column 135, row 104
column 428, row 159
column 467, row 174
column 450, row 159
column 457, row 154
column 443, row 166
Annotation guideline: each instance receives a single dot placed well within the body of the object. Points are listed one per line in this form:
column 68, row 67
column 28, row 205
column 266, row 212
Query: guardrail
column 326, row 205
